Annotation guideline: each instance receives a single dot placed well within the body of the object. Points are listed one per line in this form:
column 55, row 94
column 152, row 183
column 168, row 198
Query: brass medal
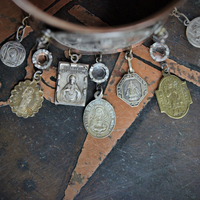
column 173, row 96
column 26, row 99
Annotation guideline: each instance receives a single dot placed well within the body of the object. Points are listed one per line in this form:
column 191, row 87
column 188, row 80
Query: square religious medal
column 72, row 84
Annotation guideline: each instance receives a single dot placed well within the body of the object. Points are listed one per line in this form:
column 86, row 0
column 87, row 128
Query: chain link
column 181, row 17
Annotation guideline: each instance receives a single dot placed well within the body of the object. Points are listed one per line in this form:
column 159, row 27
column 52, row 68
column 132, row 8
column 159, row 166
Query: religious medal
column 72, row 83
column 131, row 88
column 99, row 115
column 193, row 27
column 173, row 95
column 26, row 98
column 13, row 53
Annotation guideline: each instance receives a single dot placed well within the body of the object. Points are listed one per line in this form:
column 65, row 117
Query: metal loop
column 165, row 67
column 99, row 93
column 19, row 36
column 74, row 58
column 99, row 59
column 128, row 55
column 181, row 17
column 24, row 21
column 37, row 76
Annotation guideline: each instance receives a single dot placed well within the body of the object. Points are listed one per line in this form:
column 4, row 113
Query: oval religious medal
column 12, row 53
column 26, row 99
column 193, row 32
column 99, row 118
column 173, row 96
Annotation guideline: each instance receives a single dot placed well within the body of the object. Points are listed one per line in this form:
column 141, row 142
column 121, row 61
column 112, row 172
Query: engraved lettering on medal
column 71, row 84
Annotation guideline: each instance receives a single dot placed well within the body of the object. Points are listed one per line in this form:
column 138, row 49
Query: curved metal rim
column 68, row 26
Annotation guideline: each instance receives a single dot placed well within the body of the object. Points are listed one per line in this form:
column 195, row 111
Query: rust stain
column 86, row 17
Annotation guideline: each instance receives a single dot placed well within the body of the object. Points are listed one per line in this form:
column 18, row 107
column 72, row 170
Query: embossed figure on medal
column 132, row 88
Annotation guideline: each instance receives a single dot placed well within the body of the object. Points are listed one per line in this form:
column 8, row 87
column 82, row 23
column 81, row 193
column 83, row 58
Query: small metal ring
column 128, row 55
column 47, row 63
column 18, row 36
column 74, row 58
column 99, row 94
column 37, row 76
column 24, row 21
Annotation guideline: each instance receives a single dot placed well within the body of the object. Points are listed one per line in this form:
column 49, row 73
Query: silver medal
column 72, row 84
column 99, row 117
column 12, row 53
column 131, row 88
column 193, row 32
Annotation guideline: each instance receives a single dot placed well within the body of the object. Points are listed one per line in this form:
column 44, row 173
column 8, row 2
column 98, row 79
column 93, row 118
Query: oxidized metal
column 12, row 53
column 132, row 89
column 26, row 99
column 193, row 32
column 92, row 40
column 42, row 59
column 173, row 96
column 72, row 84
column 99, row 118
column 99, row 73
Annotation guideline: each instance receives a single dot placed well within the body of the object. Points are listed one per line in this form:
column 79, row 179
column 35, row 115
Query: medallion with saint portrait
column 99, row 118
column 26, row 99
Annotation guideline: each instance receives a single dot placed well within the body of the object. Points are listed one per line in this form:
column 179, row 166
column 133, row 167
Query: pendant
column 132, row 88
column 99, row 117
column 13, row 53
column 72, row 84
column 193, row 32
column 26, row 98
column 173, row 96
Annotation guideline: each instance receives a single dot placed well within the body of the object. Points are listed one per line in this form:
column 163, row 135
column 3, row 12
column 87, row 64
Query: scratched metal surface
column 157, row 158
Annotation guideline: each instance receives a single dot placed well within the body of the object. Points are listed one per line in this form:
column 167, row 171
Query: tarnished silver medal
column 131, row 88
column 72, row 83
column 99, row 116
column 193, row 27
column 13, row 53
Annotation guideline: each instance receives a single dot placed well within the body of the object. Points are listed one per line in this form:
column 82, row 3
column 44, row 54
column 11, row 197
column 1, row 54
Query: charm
column 42, row 59
column 72, row 83
column 98, row 71
column 26, row 98
column 173, row 95
column 193, row 27
column 13, row 53
column 132, row 88
column 99, row 117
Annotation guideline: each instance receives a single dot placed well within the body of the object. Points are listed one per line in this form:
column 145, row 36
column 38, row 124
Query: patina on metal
column 92, row 40
column 99, row 117
column 193, row 27
column 72, row 83
column 13, row 53
column 131, row 88
column 173, row 95
column 26, row 98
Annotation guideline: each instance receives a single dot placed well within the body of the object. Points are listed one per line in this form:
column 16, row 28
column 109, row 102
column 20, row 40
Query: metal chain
column 181, row 17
